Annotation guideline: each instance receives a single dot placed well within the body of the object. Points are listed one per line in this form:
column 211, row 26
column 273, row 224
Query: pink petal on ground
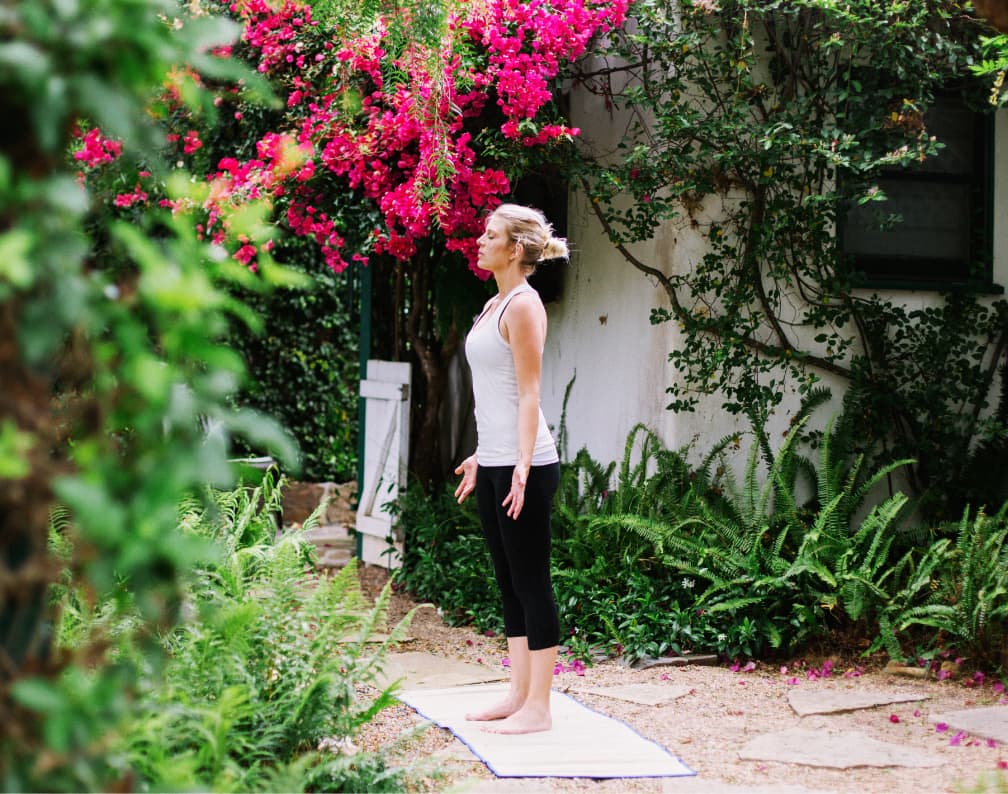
column 941, row 727
column 735, row 667
column 783, row 670
column 894, row 718
column 750, row 666
column 506, row 661
column 956, row 740
column 998, row 687
column 918, row 713
column 792, row 681
column 991, row 743
column 1002, row 764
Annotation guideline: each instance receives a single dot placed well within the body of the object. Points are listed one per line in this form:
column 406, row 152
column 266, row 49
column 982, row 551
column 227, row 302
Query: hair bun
column 555, row 248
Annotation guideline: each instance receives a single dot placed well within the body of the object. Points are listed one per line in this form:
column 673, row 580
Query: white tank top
column 495, row 392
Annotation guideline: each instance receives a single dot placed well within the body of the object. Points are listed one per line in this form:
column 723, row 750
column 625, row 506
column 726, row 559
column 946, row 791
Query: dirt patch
column 706, row 728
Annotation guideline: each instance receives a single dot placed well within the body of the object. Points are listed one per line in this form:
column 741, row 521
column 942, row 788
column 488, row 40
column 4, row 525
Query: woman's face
column 496, row 250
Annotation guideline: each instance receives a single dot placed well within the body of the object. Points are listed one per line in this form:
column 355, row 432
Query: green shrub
column 267, row 664
column 958, row 588
column 446, row 560
column 304, row 367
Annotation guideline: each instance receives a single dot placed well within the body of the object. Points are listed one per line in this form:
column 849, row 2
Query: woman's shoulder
column 526, row 302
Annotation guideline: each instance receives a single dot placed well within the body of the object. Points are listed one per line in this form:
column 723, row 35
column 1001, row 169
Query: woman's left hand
column 515, row 500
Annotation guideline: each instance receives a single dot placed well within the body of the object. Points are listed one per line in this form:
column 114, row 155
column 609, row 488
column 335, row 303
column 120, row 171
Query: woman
column 515, row 469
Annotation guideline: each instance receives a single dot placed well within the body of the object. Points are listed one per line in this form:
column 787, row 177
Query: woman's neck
column 508, row 280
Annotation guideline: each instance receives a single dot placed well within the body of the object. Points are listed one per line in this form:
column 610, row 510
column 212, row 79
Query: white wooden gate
column 386, row 390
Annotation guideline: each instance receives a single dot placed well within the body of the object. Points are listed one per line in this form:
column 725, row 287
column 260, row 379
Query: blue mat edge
column 554, row 693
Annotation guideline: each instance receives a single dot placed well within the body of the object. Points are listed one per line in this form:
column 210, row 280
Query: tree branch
column 682, row 314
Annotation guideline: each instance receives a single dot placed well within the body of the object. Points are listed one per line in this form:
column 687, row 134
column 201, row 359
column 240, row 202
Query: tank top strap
column 499, row 311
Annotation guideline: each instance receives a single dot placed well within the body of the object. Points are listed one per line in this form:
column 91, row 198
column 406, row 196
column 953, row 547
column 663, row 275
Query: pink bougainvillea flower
column 992, row 743
column 792, row 681
column 125, row 200
column 894, row 718
column 941, row 727
column 506, row 661
column 97, row 150
column 245, row 254
column 944, row 674
column 783, row 669
column 749, row 667
column 1002, row 764
column 998, row 687
column 191, row 142
column 956, row 740
column 917, row 713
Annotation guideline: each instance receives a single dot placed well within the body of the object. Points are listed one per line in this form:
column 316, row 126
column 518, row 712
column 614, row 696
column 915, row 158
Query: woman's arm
column 524, row 328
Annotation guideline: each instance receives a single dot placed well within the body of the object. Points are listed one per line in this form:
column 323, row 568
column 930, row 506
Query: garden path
column 814, row 724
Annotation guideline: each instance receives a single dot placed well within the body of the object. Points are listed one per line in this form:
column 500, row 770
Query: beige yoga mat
column 582, row 743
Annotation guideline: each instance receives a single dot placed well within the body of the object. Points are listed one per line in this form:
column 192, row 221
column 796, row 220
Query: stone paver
column 645, row 694
column 688, row 785
column 834, row 751
column 420, row 670
column 990, row 722
column 833, row 701
column 706, row 659
column 334, row 545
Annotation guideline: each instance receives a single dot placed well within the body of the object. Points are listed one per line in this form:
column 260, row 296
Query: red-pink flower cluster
column 97, row 150
column 408, row 148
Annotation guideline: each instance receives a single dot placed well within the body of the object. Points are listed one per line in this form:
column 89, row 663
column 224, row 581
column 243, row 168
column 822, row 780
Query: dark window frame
column 976, row 273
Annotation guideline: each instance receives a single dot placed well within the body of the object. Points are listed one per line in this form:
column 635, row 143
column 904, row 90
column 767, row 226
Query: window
column 943, row 238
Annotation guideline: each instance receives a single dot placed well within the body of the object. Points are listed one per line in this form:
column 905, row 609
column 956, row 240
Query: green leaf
column 38, row 694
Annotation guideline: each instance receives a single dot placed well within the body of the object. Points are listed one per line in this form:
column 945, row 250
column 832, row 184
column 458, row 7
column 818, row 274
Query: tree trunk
column 994, row 11
column 26, row 569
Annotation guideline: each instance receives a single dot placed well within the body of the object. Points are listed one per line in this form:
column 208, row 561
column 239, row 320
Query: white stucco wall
column 600, row 329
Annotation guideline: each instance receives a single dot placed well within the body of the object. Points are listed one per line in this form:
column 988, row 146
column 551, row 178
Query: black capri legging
column 520, row 550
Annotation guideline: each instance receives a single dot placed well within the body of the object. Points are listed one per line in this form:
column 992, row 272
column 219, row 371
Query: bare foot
column 523, row 721
column 498, row 711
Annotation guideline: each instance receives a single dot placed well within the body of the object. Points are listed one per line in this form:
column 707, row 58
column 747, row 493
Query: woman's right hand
column 468, row 471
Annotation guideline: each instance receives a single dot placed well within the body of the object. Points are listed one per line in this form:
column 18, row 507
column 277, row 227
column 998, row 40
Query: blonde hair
column 530, row 228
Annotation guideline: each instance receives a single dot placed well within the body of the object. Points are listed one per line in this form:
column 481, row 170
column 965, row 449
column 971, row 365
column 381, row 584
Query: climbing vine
column 758, row 125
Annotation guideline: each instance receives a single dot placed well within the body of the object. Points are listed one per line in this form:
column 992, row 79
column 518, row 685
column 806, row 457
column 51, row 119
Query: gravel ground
column 706, row 728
